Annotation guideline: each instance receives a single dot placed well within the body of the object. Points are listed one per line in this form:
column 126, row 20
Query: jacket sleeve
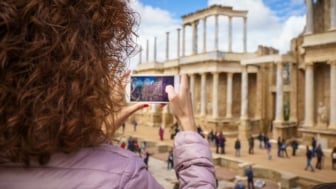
column 137, row 176
column 193, row 161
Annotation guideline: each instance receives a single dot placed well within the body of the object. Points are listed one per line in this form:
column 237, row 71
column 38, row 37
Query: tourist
column 314, row 145
column 123, row 125
column 261, row 140
column 250, row 176
column 333, row 158
column 220, row 143
column 309, row 157
column 268, row 147
column 161, row 133
column 170, row 160
column 283, row 149
column 319, row 157
column 295, row 146
column 211, row 137
column 279, row 146
column 237, row 146
column 63, row 76
column 135, row 124
column 239, row 184
column 251, row 145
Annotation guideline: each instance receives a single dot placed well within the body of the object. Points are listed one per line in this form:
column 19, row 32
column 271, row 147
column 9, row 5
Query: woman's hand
column 181, row 105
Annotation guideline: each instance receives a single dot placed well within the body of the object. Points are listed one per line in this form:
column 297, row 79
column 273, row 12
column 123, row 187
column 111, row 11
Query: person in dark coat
column 251, row 145
column 319, row 156
column 237, row 147
column 249, row 175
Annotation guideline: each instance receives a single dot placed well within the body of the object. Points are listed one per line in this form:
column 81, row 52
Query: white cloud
column 265, row 27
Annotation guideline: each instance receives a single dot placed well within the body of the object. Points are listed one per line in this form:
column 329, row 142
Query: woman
column 61, row 100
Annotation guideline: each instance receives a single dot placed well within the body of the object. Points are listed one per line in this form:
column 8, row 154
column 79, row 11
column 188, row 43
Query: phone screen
column 151, row 88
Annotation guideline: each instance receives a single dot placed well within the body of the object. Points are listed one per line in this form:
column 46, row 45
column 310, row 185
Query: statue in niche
column 322, row 114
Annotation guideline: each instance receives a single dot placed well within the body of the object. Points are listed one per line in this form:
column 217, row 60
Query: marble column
column 183, row 40
column 215, row 94
column 309, row 96
column 178, row 42
column 153, row 107
column 230, row 34
column 192, row 87
column 332, row 117
column 293, row 93
column 140, row 55
column 194, row 37
column 244, row 94
column 279, row 93
column 203, row 93
column 245, row 34
column 155, row 49
column 167, row 45
column 332, row 14
column 204, row 33
column 309, row 16
column 229, row 95
column 216, row 32
column 147, row 50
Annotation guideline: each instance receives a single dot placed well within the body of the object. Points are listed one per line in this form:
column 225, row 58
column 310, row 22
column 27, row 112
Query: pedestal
column 244, row 130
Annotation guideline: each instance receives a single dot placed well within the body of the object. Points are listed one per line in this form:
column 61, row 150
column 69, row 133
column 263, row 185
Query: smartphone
column 151, row 87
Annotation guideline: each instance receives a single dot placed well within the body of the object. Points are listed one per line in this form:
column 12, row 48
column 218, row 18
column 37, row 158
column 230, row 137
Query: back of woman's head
column 59, row 60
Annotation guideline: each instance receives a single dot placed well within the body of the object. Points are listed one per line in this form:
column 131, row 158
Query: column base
column 244, row 130
column 285, row 130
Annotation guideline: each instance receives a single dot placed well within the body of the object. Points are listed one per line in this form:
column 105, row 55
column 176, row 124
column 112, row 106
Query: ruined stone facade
column 242, row 93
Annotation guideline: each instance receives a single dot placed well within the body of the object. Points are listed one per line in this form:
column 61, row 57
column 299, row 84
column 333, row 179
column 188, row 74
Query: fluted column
column 245, row 34
column 216, row 32
column 230, row 34
column 147, row 50
column 309, row 96
column 204, row 34
column 332, row 117
column 194, row 37
column 203, row 93
column 140, row 55
column 309, row 16
column 229, row 95
column 183, row 40
column 279, row 93
column 167, row 45
column 192, row 87
column 154, row 49
column 178, row 42
column 215, row 95
column 244, row 94
column 332, row 14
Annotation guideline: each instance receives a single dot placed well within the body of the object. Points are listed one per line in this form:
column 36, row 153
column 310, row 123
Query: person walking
column 268, row 148
column 279, row 142
column 250, row 176
column 284, row 149
column 161, row 133
column 170, row 160
column 333, row 158
column 261, row 140
column 135, row 124
column 319, row 157
column 295, row 146
column 251, row 145
column 237, row 146
column 62, row 98
column 309, row 157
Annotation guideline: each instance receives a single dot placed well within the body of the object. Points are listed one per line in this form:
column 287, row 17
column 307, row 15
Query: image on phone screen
column 150, row 88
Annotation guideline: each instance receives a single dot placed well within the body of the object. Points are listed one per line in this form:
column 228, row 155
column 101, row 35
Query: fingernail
column 145, row 105
column 162, row 105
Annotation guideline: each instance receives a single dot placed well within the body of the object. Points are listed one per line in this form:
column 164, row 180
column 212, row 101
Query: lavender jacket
column 111, row 167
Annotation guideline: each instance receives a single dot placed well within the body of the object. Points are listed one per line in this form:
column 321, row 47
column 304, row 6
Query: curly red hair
column 59, row 62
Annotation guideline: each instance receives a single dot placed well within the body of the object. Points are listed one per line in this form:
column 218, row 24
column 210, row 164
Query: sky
column 270, row 23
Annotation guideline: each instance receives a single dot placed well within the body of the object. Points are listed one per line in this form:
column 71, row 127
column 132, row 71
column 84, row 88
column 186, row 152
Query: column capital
column 309, row 64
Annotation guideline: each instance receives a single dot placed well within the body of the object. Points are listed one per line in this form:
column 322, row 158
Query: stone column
column 194, row 37
column 293, row 93
column 204, row 33
column 332, row 117
column 203, row 93
column 309, row 16
column 309, row 96
column 167, row 45
column 216, row 32
column 215, row 95
column 147, row 50
column 154, row 49
column 183, row 40
column 244, row 94
column 229, row 95
column 192, row 87
column 153, row 107
column 178, row 42
column 245, row 35
column 140, row 55
column 279, row 93
column 259, row 97
column 230, row 34
column 332, row 14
